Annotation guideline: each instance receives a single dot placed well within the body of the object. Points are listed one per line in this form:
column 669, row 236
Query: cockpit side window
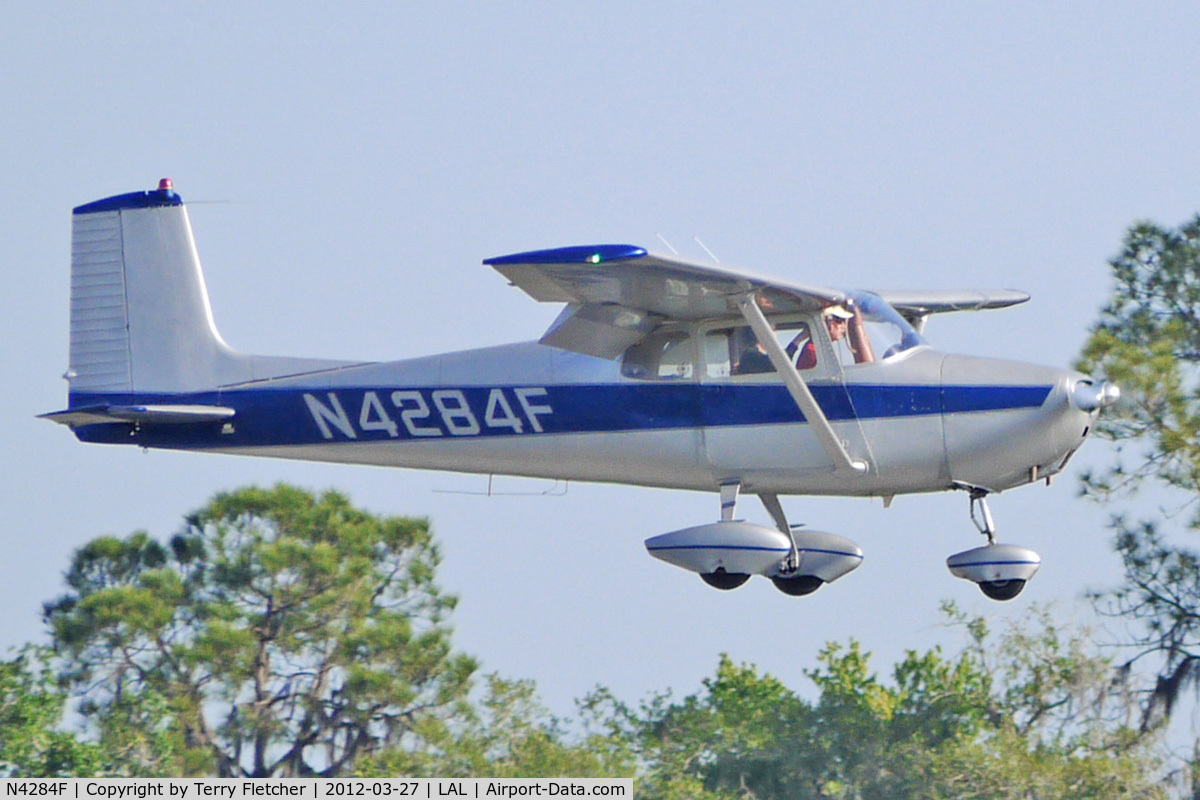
column 733, row 352
column 663, row 355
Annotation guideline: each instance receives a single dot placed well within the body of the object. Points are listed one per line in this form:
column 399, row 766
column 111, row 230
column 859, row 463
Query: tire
column 1002, row 590
column 799, row 585
column 724, row 580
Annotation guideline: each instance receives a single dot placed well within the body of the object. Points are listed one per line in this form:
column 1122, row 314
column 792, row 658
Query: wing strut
column 798, row 388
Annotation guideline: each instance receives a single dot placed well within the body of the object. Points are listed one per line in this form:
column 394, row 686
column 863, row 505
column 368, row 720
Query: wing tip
column 576, row 254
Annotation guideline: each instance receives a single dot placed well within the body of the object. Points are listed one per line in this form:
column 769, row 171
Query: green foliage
column 31, row 711
column 131, row 739
column 1004, row 766
column 1019, row 715
column 1029, row 713
column 280, row 634
column 1147, row 339
column 507, row 734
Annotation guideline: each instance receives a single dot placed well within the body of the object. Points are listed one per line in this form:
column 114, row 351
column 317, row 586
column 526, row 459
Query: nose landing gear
column 1000, row 570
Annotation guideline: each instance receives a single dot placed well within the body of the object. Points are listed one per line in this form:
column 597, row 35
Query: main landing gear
column 1000, row 570
column 799, row 561
column 727, row 553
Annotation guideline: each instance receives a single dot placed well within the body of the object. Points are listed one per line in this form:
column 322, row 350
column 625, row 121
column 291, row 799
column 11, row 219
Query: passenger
column 802, row 344
column 754, row 360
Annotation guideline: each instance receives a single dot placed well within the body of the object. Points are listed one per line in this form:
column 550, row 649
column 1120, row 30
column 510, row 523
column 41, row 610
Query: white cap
column 839, row 312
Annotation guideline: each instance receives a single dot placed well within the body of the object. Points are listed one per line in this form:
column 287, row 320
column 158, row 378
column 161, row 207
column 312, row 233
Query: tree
column 280, row 634
column 508, row 734
column 1147, row 339
column 728, row 740
column 1029, row 713
column 32, row 743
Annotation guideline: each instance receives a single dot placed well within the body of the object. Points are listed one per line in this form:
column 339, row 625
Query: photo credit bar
column 312, row 788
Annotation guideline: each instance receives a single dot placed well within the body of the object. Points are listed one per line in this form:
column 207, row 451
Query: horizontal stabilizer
column 139, row 415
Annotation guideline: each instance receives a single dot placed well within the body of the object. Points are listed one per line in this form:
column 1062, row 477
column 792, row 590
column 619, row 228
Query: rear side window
column 663, row 355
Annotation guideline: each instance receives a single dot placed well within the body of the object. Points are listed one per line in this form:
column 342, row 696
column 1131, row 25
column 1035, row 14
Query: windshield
column 888, row 332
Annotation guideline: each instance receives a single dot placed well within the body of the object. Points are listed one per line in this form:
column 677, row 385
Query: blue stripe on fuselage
column 962, row 399
column 267, row 417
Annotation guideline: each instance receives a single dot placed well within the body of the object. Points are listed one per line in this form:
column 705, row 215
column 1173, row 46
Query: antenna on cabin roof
column 710, row 252
column 663, row 239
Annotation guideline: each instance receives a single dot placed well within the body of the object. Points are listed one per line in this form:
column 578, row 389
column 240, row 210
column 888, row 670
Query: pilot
column 837, row 320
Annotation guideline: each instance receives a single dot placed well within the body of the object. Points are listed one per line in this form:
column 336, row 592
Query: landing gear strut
column 984, row 522
column 1000, row 570
column 785, row 577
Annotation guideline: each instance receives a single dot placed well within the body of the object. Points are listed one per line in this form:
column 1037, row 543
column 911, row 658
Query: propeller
column 1087, row 395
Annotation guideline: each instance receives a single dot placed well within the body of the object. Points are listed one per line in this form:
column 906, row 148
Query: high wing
column 917, row 306
column 617, row 293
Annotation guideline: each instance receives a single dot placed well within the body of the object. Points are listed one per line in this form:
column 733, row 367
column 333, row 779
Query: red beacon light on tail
column 166, row 185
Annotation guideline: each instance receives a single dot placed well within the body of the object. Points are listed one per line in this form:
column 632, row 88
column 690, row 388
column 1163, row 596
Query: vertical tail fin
column 141, row 323
column 140, row 315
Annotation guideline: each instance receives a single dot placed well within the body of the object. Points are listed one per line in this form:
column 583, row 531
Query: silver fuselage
column 923, row 421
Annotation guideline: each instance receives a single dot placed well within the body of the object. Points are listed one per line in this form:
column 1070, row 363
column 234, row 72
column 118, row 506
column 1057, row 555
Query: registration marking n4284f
column 427, row 413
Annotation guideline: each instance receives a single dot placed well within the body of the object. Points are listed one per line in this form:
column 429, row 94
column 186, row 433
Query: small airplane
column 658, row 372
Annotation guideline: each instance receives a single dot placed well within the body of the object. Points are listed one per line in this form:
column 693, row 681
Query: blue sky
column 351, row 167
